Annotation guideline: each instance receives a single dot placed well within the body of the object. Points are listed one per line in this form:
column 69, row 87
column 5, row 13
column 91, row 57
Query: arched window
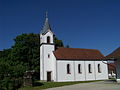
column 68, row 68
column 99, row 68
column 89, row 68
column 48, row 39
column 79, row 68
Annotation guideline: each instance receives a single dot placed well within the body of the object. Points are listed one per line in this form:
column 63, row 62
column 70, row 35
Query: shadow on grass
column 37, row 84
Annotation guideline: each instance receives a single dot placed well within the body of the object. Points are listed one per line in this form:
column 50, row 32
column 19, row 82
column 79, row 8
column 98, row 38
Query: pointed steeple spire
column 46, row 26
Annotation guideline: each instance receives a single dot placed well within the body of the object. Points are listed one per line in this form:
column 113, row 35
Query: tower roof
column 46, row 26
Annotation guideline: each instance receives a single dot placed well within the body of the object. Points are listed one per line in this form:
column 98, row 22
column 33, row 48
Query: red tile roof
column 77, row 54
column 114, row 54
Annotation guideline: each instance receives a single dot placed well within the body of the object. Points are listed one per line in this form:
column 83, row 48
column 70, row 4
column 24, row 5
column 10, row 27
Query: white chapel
column 69, row 64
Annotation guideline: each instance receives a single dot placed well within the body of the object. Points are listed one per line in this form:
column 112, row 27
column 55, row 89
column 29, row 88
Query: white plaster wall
column 47, row 64
column 62, row 75
column 90, row 76
column 104, row 70
column 41, row 63
column 79, row 76
column 53, row 67
column 43, row 38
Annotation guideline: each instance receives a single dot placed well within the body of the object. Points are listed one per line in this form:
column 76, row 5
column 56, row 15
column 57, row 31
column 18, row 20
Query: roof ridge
column 79, row 48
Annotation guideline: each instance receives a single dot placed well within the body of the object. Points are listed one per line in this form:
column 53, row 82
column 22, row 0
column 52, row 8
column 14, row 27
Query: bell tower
column 46, row 35
column 46, row 51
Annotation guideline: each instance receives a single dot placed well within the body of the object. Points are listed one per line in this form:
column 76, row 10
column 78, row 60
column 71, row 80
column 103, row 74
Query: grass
column 44, row 85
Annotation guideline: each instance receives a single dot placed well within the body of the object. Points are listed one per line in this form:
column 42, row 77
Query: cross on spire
column 46, row 25
column 46, row 14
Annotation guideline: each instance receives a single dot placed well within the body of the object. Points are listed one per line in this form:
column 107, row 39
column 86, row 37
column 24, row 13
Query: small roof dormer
column 46, row 26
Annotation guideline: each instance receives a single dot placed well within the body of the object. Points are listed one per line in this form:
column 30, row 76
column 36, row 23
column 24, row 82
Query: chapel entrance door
column 48, row 76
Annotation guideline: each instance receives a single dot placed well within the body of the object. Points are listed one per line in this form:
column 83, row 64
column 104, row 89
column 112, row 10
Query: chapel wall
column 85, row 75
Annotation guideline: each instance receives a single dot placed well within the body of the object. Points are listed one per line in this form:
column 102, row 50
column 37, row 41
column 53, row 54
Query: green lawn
column 43, row 85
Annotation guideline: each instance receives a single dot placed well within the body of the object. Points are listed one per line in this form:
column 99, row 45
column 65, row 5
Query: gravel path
column 101, row 85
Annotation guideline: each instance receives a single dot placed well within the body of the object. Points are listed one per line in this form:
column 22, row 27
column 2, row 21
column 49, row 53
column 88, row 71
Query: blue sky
column 92, row 24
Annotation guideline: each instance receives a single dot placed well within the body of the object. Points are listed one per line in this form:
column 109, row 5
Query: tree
column 58, row 43
column 24, row 55
column 27, row 51
column 10, row 75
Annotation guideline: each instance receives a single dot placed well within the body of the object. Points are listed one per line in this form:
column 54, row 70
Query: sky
column 90, row 24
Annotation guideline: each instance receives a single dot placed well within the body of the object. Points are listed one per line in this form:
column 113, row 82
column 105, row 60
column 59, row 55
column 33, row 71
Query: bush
column 11, row 84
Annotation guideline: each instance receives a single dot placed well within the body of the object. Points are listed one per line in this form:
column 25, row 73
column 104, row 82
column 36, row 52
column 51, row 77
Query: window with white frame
column 79, row 68
column 89, row 68
column 68, row 69
column 99, row 68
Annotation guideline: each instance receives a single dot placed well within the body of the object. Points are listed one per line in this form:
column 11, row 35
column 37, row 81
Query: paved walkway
column 101, row 85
